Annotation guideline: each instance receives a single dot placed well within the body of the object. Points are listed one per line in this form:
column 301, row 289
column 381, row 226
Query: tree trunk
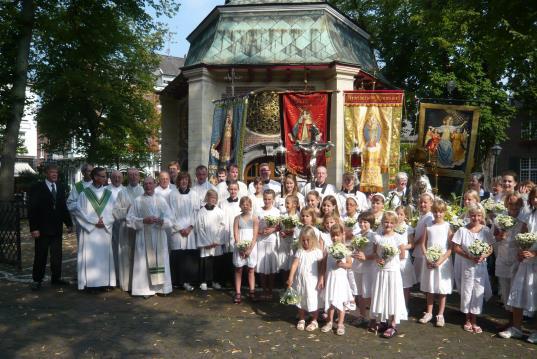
column 9, row 152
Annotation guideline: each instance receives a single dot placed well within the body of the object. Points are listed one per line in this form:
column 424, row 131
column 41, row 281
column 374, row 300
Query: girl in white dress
column 209, row 237
column 388, row 298
column 338, row 292
column 506, row 248
column 290, row 187
column 351, row 213
column 313, row 200
column 308, row 218
column 523, row 294
column 407, row 269
column 328, row 222
column 377, row 208
column 257, row 197
column 426, row 219
column 267, row 240
column 475, row 286
column 436, row 277
column 285, row 247
column 329, row 206
column 307, row 270
column 245, row 228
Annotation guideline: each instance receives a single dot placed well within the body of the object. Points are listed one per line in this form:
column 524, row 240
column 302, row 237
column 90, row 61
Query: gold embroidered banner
column 373, row 122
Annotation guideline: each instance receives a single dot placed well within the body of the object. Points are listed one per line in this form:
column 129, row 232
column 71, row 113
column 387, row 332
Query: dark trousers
column 223, row 269
column 42, row 246
column 206, row 269
column 184, row 265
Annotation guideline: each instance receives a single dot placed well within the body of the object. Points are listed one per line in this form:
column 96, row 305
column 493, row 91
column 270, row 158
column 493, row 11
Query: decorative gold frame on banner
column 469, row 163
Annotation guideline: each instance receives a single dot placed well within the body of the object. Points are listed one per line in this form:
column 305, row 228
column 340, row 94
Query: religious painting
column 227, row 133
column 305, row 119
column 373, row 123
column 449, row 133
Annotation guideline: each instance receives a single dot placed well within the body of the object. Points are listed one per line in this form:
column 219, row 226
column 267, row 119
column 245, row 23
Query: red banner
column 305, row 117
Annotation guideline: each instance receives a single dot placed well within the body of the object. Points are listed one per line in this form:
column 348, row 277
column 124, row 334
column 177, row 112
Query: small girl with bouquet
column 425, row 220
column 287, row 231
column 473, row 244
column 306, row 277
column 407, row 232
column 436, row 276
column 338, row 294
column 388, row 299
column 245, row 228
column 350, row 219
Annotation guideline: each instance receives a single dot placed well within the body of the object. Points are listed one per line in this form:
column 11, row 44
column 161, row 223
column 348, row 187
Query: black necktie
column 53, row 192
column 209, row 207
column 184, row 191
column 231, row 200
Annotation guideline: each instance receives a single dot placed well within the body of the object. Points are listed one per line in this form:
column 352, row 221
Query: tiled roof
column 170, row 65
column 294, row 34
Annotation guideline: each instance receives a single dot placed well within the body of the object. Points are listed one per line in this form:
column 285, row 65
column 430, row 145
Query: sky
column 191, row 13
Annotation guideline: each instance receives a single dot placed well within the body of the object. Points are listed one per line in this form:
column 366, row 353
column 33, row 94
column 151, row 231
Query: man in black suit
column 47, row 212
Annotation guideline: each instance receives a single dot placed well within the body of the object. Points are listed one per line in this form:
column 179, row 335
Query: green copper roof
column 250, row 2
column 261, row 34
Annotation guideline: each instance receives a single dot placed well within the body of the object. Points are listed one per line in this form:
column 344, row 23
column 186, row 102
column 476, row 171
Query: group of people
column 340, row 251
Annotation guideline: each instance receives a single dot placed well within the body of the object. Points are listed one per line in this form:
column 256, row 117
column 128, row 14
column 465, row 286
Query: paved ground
column 62, row 322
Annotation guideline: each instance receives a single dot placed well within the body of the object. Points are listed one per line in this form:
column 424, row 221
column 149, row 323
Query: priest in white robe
column 150, row 215
column 202, row 185
column 94, row 215
column 126, row 235
column 164, row 187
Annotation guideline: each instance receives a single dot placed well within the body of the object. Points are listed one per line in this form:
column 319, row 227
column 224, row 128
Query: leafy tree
column 486, row 47
column 91, row 64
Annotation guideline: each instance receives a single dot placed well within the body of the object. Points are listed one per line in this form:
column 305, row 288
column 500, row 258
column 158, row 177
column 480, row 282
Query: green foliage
column 94, row 74
column 487, row 47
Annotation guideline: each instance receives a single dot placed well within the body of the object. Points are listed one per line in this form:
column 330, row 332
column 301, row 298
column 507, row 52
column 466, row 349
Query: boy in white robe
column 150, row 215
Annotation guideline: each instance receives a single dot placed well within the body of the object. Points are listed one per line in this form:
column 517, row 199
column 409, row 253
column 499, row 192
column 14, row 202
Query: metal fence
column 10, row 232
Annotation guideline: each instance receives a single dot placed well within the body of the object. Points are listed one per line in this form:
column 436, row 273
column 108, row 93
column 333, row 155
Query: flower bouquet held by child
column 526, row 240
column 271, row 221
column 339, row 251
column 388, row 252
column 290, row 297
column 350, row 222
column 478, row 248
column 505, row 222
column 433, row 254
column 289, row 222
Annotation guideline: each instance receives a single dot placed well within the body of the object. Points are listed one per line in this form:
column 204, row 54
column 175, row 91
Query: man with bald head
column 321, row 184
column 149, row 216
column 164, row 188
column 126, row 235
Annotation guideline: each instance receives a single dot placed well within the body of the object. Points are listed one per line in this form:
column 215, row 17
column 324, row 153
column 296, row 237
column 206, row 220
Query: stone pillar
column 201, row 93
column 342, row 80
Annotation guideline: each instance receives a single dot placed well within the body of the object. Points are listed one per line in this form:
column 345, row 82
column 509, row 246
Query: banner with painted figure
column 373, row 122
column 229, row 119
column 305, row 118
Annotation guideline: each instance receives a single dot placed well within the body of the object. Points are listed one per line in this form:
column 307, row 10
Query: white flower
column 433, row 254
column 339, row 251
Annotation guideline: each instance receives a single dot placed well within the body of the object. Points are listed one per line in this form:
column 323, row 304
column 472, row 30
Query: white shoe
column 188, row 287
column 203, row 286
column 217, row 286
column 511, row 332
column 532, row 338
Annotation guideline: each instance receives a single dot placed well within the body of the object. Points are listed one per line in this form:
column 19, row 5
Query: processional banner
column 449, row 134
column 373, row 122
column 229, row 119
column 305, row 117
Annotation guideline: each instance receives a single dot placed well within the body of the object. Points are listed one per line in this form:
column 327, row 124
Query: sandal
column 237, row 299
column 477, row 329
column 468, row 327
column 389, row 333
column 340, row 329
column 372, row 327
column 301, row 324
column 327, row 327
column 312, row 326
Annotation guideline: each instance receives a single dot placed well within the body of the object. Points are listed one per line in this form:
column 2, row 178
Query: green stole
column 154, row 251
column 98, row 204
column 79, row 186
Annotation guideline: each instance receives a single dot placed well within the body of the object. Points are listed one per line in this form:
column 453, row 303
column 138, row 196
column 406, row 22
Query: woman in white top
column 290, row 187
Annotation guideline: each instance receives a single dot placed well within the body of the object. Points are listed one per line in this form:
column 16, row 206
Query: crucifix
column 313, row 148
column 231, row 77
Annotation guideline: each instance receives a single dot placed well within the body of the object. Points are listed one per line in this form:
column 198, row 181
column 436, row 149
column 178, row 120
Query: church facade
column 263, row 48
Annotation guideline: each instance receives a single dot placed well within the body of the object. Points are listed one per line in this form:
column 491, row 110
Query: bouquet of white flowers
column 242, row 246
column 271, row 221
column 493, row 207
column 358, row 243
column 339, row 251
column 400, row 228
column 350, row 222
column 478, row 248
column 526, row 240
column 289, row 222
column 290, row 297
column 433, row 254
column 378, row 222
column 414, row 220
column 505, row 222
column 388, row 252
